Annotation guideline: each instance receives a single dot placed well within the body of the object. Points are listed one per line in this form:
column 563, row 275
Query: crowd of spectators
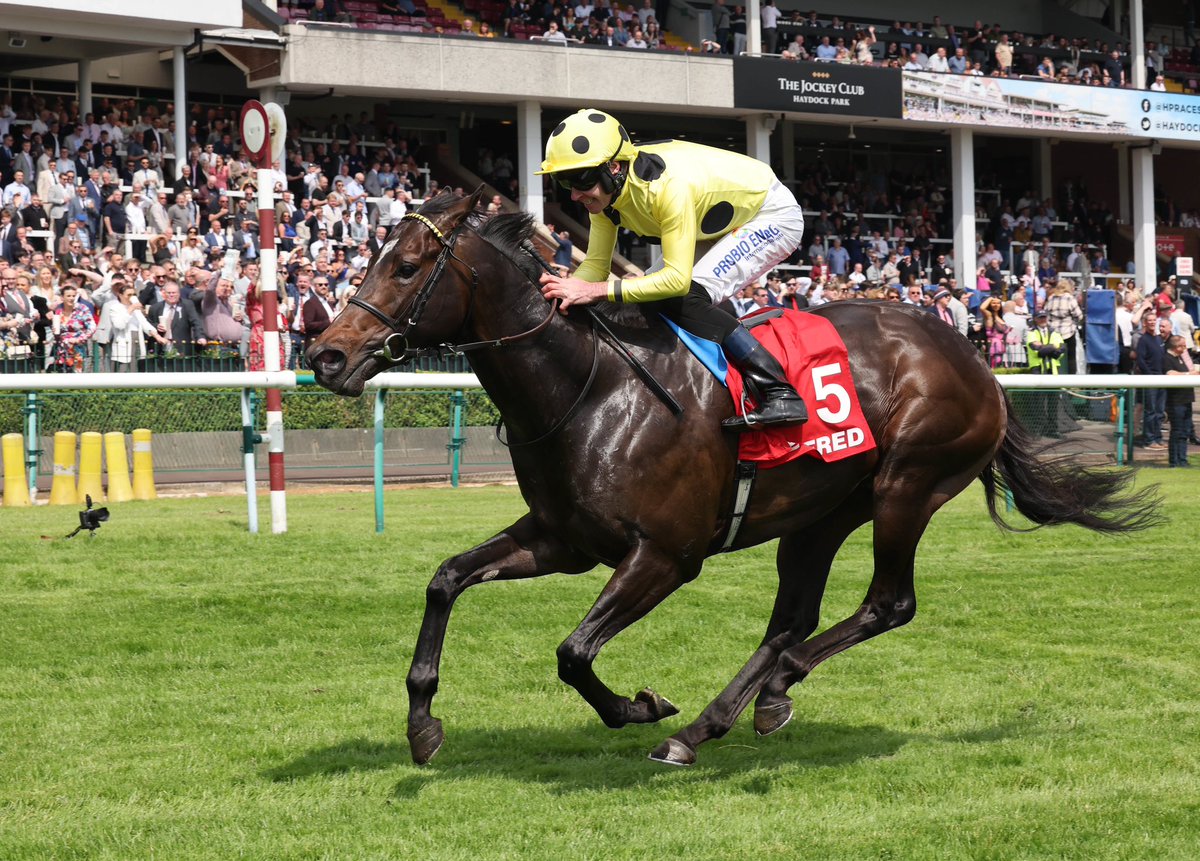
column 113, row 258
column 980, row 49
column 610, row 24
column 98, row 244
column 885, row 237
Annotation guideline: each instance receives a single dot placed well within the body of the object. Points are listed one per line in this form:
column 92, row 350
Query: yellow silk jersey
column 679, row 192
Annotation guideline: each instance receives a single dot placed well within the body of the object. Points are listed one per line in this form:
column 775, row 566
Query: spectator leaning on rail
column 1179, row 401
column 684, row 193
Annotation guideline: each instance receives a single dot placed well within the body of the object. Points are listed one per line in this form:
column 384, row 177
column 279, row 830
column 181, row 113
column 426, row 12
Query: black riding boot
column 779, row 405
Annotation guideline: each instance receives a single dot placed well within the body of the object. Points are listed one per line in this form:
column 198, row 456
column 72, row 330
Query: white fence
column 291, row 380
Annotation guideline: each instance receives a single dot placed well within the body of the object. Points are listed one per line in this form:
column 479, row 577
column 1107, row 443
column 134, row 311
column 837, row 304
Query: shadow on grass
column 356, row 754
column 588, row 757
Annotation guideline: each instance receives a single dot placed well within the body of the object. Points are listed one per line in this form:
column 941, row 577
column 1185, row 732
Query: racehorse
column 612, row 476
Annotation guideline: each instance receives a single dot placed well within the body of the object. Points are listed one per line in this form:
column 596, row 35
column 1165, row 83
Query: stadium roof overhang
column 50, row 32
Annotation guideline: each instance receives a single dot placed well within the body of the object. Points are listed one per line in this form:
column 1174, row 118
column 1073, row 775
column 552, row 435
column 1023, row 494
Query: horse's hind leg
column 803, row 559
column 645, row 577
column 890, row 602
column 519, row 552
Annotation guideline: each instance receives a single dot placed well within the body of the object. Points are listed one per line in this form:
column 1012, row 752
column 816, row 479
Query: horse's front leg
column 521, row 551
column 645, row 577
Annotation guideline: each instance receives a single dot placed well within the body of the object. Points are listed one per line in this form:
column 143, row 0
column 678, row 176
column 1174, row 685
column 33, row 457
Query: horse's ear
column 477, row 197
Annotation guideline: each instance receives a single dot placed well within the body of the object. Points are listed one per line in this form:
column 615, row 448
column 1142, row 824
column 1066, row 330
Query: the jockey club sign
column 815, row 88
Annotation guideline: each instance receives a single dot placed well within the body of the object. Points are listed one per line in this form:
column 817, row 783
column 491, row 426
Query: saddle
column 818, row 366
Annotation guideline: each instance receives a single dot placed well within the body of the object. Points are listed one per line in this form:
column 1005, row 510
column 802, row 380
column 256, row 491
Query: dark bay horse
column 611, row 476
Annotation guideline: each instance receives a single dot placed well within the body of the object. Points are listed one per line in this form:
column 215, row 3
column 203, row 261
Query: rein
column 395, row 349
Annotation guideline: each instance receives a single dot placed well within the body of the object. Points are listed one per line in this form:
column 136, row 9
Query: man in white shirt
column 135, row 212
column 878, row 244
column 553, row 34
column 1181, row 322
column 115, row 136
column 770, row 21
column 399, row 205
column 361, row 258
column 938, row 62
column 321, row 243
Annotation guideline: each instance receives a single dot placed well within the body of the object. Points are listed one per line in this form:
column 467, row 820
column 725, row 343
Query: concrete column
column 1123, row 184
column 962, row 177
column 1137, row 46
column 787, row 145
column 1045, row 170
column 85, row 88
column 758, row 137
column 1144, row 259
column 529, row 157
column 266, row 94
column 179, row 67
column 753, row 27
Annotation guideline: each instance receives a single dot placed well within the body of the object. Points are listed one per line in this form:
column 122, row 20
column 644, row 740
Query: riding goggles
column 584, row 179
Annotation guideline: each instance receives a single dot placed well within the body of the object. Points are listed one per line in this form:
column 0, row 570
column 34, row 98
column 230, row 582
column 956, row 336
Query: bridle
column 395, row 349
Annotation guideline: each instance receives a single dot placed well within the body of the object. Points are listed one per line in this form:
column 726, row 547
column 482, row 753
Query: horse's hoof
column 769, row 719
column 427, row 742
column 658, row 707
column 673, row 752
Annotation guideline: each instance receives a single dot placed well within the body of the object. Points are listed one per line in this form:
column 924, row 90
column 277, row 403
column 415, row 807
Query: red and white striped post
column 263, row 134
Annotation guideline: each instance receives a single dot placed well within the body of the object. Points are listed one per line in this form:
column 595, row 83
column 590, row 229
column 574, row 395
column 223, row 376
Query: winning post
column 263, row 133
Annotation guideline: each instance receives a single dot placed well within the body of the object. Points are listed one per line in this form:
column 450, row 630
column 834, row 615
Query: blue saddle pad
column 708, row 352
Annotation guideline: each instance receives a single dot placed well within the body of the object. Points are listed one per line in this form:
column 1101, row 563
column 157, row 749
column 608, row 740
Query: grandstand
column 471, row 110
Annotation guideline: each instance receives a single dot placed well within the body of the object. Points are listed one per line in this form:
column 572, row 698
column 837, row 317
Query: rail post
column 32, row 444
column 457, row 440
column 249, row 440
column 1119, row 425
column 380, row 394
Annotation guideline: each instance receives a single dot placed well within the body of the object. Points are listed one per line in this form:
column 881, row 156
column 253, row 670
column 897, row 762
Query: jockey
column 723, row 219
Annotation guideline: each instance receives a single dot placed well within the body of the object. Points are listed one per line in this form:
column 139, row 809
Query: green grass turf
column 179, row 689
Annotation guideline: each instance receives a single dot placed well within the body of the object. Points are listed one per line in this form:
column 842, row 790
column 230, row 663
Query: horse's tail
column 1050, row 491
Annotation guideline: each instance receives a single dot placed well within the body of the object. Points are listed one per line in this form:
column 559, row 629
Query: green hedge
column 176, row 411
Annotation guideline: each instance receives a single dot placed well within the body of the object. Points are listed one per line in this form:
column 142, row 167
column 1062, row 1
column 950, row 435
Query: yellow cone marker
column 143, row 466
column 16, row 489
column 119, row 488
column 62, row 488
column 90, row 445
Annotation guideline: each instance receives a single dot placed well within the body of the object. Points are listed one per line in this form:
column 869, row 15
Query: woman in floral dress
column 73, row 326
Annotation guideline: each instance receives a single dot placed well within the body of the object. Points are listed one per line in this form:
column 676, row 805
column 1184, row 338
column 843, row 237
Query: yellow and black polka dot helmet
column 587, row 138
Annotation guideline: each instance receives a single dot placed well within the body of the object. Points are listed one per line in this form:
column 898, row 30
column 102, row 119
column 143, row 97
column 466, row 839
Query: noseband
column 395, row 348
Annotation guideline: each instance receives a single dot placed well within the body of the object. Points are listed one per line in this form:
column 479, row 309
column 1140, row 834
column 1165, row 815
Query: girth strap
column 745, row 474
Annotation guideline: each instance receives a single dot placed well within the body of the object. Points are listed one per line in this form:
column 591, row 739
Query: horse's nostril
column 328, row 361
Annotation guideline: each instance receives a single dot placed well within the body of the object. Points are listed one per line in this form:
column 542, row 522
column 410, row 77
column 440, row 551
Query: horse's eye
column 407, row 270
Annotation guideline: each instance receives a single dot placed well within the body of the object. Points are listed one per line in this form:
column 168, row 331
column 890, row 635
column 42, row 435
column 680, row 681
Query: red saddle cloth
column 818, row 366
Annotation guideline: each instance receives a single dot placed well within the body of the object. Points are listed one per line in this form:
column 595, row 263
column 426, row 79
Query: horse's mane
column 508, row 233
